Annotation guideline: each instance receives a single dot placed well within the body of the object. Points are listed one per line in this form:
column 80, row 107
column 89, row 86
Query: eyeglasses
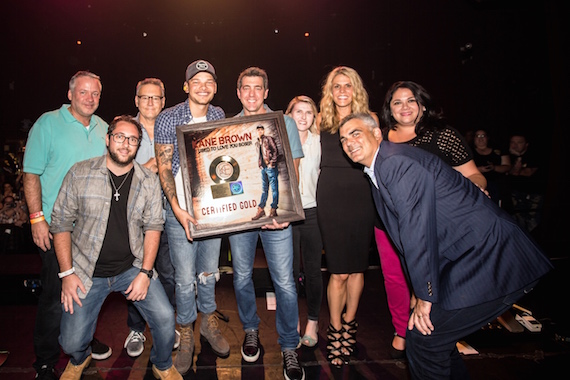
column 481, row 136
column 146, row 98
column 120, row 138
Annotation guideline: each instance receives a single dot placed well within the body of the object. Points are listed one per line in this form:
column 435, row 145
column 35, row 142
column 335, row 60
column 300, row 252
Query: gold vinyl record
column 224, row 169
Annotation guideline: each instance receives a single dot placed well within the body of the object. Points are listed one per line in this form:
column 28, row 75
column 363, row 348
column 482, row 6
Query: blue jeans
column 269, row 178
column 77, row 329
column 191, row 260
column 165, row 271
column 278, row 248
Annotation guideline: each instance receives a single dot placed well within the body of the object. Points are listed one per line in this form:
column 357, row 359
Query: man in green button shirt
column 57, row 140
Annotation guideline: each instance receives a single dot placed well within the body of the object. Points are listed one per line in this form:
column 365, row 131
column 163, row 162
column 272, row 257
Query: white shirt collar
column 370, row 170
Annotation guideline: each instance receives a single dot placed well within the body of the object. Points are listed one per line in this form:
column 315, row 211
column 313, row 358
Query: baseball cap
column 198, row 66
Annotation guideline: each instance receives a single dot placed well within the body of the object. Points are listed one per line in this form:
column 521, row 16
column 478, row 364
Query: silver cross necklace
column 117, row 195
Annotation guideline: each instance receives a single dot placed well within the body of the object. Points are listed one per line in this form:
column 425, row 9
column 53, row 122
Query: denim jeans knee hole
column 203, row 278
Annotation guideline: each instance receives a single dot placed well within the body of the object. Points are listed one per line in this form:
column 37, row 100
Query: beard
column 119, row 160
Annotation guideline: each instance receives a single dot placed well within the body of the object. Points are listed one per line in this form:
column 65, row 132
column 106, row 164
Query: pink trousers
column 397, row 291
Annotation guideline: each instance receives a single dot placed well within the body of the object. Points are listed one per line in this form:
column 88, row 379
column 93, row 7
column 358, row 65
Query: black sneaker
column 292, row 370
column 250, row 347
column 46, row 373
column 100, row 351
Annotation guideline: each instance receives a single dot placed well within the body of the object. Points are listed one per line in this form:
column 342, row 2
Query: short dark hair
column 253, row 72
column 128, row 119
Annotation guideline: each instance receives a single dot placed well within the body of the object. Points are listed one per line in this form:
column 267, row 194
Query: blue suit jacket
column 459, row 248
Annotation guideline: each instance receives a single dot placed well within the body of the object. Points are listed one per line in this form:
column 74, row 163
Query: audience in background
column 8, row 190
column 525, row 181
column 15, row 235
column 13, row 211
column 493, row 162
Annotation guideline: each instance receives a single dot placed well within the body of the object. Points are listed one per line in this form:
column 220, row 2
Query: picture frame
column 223, row 185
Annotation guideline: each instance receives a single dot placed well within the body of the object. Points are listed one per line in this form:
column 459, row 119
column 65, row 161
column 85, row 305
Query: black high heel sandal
column 349, row 330
column 335, row 352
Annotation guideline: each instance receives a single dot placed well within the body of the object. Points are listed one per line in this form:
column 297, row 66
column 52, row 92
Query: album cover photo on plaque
column 238, row 174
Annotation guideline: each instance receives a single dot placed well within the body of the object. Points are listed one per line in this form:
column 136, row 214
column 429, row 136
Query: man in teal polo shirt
column 57, row 140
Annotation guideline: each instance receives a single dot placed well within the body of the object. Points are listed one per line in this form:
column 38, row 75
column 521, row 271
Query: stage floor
column 501, row 354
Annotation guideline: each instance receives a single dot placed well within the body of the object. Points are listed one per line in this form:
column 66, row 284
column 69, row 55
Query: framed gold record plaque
column 238, row 173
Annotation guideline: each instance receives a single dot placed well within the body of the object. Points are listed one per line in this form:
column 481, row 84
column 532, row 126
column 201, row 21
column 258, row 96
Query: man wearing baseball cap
column 200, row 66
column 195, row 261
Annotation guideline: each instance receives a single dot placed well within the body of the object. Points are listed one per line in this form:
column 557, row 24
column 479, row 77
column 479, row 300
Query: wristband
column 36, row 214
column 37, row 220
column 66, row 273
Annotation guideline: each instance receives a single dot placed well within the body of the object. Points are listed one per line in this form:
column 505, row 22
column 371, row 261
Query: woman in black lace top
column 410, row 116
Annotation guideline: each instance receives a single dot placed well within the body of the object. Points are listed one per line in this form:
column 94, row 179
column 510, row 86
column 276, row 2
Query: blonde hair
column 309, row 101
column 329, row 120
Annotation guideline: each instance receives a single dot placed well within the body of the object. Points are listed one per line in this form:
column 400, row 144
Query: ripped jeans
column 195, row 270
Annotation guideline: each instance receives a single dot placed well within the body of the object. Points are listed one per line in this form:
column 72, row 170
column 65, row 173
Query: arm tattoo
column 164, row 160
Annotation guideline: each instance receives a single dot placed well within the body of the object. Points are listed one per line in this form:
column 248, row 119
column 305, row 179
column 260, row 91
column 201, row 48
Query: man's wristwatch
column 149, row 273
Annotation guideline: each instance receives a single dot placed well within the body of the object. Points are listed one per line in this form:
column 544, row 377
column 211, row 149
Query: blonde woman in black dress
column 345, row 212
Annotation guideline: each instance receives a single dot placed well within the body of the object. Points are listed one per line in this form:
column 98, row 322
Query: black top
column 345, row 209
column 493, row 158
column 533, row 184
column 116, row 256
column 448, row 144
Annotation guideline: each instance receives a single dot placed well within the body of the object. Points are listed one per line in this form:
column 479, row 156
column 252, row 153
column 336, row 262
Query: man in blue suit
column 466, row 259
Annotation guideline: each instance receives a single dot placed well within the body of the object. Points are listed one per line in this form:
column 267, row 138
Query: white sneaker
column 176, row 339
column 135, row 343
